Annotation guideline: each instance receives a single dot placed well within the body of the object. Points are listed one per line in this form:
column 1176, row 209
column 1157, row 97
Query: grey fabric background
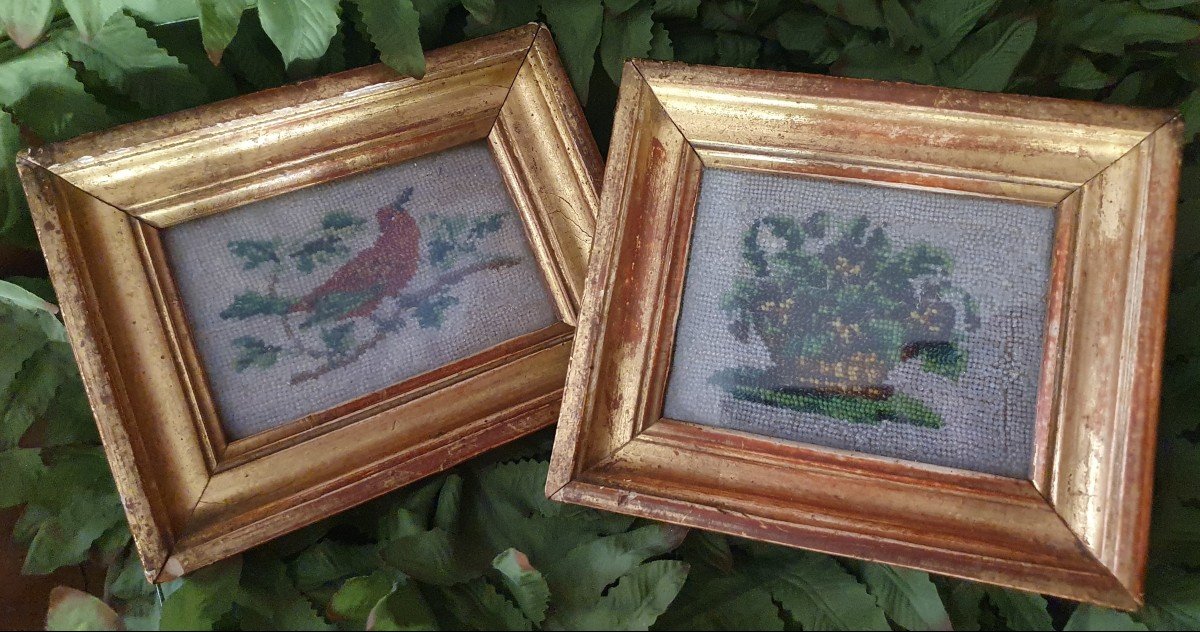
column 495, row 305
column 1002, row 256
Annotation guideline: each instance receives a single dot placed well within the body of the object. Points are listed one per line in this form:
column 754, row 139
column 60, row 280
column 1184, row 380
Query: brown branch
column 403, row 303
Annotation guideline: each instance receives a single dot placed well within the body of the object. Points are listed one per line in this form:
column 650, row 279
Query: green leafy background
column 480, row 547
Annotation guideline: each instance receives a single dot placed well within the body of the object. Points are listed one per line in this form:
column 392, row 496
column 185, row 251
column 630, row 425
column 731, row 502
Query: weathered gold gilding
column 1078, row 528
column 99, row 201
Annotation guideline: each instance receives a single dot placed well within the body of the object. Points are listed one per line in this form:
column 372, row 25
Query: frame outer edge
column 578, row 139
column 151, row 540
column 1162, row 216
column 589, row 331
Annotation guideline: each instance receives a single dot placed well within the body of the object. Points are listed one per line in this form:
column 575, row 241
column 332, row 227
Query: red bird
column 381, row 270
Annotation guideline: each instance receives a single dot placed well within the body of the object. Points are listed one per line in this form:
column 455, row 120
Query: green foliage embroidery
column 454, row 237
column 337, row 305
column 253, row 352
column 339, row 339
column 838, row 308
column 255, row 252
column 251, row 304
column 432, row 311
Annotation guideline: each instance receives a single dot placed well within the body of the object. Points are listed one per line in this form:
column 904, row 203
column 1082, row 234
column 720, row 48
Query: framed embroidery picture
column 899, row 323
column 291, row 302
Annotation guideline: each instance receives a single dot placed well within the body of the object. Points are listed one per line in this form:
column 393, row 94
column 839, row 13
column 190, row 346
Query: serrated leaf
column 20, row 469
column 1082, row 74
column 1001, row 52
column 478, row 604
column 900, row 24
column 626, row 36
column 1128, row 89
column 525, row 583
column 1117, row 25
column 66, row 538
column 328, row 561
column 726, row 15
column 638, row 599
column 402, row 609
column 766, row 10
column 801, row 31
column 433, row 16
column 1175, row 535
column 430, row 557
column 270, row 600
column 252, row 57
column 709, row 601
column 710, row 549
column 356, row 598
column 159, row 12
column 864, row 13
column 907, row 596
column 1172, row 599
column 28, row 327
column 619, row 6
column 1087, row 617
column 127, row 579
column 16, row 227
column 1190, row 109
column 113, row 542
column 512, row 511
column 40, row 89
column 219, row 21
column 334, row 59
column 300, row 29
column 483, row 11
column 125, row 57
column 682, row 9
column 821, row 595
column 508, row 14
column 1163, row 5
column 395, row 28
column 143, row 614
column 72, row 609
column 25, row 20
column 580, row 575
column 576, row 26
column 203, row 597
column 38, row 286
column 661, row 47
column 449, row 504
column 737, row 49
column 1021, row 610
column 694, row 46
column 947, row 22
column 881, row 61
column 32, row 390
column 72, row 471
column 89, row 16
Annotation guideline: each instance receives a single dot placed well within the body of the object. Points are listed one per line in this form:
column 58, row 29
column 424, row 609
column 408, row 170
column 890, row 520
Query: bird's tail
column 403, row 198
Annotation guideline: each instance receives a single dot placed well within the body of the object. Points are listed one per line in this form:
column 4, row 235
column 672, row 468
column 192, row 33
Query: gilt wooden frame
column 1078, row 527
column 99, row 201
